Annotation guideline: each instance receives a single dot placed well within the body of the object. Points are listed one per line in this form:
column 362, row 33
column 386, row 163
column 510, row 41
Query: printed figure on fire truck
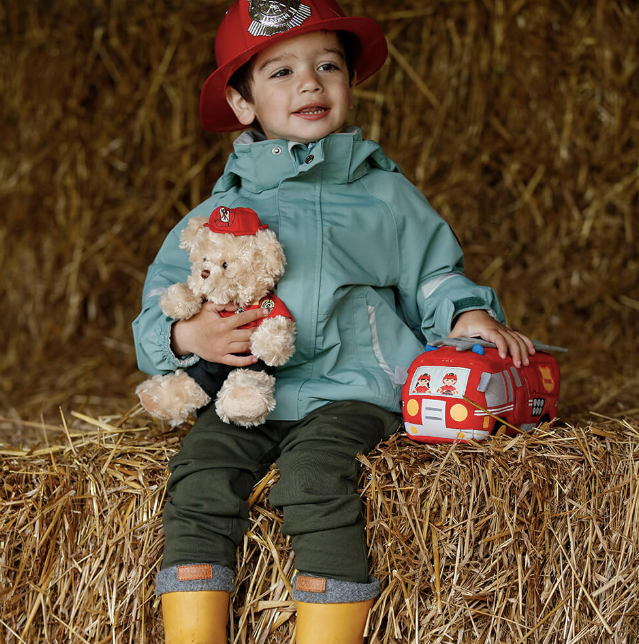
column 448, row 388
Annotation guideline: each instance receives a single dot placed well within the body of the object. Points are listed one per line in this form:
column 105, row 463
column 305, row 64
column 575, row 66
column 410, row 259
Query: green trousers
column 218, row 465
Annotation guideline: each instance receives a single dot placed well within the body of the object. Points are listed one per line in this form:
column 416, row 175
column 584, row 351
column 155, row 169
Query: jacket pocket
column 345, row 366
column 392, row 343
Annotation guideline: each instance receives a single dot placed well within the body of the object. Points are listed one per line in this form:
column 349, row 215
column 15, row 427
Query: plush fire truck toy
column 461, row 389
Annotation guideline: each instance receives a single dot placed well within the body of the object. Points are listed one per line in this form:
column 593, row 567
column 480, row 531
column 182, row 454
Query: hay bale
column 517, row 120
column 532, row 538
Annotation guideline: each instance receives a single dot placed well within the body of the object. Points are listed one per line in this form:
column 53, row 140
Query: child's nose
column 309, row 82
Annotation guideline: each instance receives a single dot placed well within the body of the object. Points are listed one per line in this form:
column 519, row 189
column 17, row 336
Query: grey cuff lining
column 337, row 591
column 167, row 581
column 469, row 304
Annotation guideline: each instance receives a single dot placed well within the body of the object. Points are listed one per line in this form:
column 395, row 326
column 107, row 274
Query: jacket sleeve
column 433, row 289
column 152, row 329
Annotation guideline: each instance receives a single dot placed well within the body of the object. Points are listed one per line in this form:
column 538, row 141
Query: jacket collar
column 259, row 164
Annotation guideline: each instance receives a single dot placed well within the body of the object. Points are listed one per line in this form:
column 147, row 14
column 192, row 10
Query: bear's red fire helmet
column 235, row 221
column 252, row 25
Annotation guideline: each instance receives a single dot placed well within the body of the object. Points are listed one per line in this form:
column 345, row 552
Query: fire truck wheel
column 544, row 419
column 499, row 423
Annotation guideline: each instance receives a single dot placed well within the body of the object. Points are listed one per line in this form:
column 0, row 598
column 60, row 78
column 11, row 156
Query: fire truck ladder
column 465, row 344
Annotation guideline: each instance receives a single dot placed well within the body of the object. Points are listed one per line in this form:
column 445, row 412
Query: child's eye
column 328, row 67
column 280, row 73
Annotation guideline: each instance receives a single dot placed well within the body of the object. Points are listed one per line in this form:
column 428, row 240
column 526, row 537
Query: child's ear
column 243, row 109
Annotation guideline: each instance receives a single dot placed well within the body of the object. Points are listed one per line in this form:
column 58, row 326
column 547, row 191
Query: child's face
column 301, row 90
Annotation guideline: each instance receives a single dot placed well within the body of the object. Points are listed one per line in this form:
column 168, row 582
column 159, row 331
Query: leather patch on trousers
column 196, row 571
column 311, row 584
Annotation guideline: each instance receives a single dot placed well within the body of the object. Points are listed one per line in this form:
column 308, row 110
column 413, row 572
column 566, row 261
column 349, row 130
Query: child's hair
column 242, row 79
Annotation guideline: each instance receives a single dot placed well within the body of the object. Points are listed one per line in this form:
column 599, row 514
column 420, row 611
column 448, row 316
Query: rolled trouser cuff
column 324, row 590
column 194, row 577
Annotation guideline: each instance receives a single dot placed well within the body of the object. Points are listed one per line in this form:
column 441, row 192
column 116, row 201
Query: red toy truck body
column 433, row 397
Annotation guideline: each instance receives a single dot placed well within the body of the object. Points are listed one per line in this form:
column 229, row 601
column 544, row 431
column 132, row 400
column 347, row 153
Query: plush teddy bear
column 235, row 259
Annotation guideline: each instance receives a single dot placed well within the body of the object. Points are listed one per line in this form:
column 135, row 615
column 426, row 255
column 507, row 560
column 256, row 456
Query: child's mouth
column 312, row 111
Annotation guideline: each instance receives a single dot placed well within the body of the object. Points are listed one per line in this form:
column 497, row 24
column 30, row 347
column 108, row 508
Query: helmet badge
column 275, row 16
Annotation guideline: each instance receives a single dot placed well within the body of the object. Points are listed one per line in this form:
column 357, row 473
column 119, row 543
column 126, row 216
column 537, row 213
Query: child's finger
column 501, row 343
column 246, row 317
column 527, row 342
column 240, row 346
column 514, row 350
column 526, row 346
column 517, row 348
column 233, row 360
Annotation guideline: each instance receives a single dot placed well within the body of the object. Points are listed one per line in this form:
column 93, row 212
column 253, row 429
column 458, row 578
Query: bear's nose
column 205, row 273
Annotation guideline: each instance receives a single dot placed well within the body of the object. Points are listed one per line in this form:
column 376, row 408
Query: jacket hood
column 260, row 164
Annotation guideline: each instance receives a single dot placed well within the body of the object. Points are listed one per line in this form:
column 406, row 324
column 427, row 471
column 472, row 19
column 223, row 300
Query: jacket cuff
column 164, row 339
column 472, row 304
column 469, row 304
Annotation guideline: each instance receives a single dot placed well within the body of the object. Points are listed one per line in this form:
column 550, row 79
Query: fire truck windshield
column 440, row 381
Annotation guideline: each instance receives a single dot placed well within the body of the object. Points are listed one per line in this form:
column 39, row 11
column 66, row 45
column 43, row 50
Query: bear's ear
column 272, row 255
column 189, row 233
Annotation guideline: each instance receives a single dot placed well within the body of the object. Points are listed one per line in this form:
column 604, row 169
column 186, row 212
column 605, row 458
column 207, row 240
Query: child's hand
column 215, row 338
column 478, row 323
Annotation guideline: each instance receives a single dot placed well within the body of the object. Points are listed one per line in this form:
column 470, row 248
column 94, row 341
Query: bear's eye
column 225, row 265
column 204, row 259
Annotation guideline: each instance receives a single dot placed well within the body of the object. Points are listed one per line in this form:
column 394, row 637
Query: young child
column 373, row 272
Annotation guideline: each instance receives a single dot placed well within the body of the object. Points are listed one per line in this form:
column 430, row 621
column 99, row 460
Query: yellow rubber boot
column 331, row 623
column 197, row 617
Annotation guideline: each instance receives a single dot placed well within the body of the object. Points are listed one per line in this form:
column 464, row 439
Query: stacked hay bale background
column 519, row 121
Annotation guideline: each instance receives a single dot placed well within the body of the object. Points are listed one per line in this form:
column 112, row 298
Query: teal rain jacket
column 373, row 271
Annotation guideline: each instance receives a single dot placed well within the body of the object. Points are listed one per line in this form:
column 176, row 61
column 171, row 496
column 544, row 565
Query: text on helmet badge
column 275, row 16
